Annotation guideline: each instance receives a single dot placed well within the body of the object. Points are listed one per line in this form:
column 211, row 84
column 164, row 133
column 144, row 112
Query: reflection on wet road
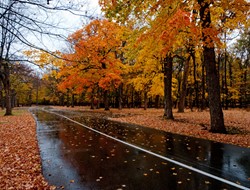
column 74, row 157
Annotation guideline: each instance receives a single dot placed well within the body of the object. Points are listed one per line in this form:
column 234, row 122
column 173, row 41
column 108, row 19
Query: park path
column 82, row 150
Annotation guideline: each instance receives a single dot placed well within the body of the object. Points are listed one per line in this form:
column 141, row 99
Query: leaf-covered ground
column 19, row 154
column 195, row 124
column 191, row 123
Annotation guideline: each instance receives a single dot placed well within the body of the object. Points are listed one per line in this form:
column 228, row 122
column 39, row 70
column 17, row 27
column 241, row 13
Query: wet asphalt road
column 74, row 157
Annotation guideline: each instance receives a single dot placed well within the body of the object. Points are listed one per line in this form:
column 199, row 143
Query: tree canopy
column 155, row 54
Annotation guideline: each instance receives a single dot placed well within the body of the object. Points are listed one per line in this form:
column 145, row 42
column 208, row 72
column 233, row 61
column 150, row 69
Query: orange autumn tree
column 95, row 63
column 160, row 24
column 232, row 14
column 168, row 19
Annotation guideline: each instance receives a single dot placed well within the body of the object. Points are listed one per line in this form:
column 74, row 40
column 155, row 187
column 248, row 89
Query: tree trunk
column 72, row 100
column 203, row 102
column 13, row 98
column 245, row 102
column 106, row 100
column 145, row 99
column 230, row 79
column 157, row 101
column 68, row 101
column 181, row 104
column 220, row 64
column 225, row 74
column 6, row 84
column 17, row 102
column 132, row 99
column 7, row 97
column 120, row 97
column 98, row 98
column 1, row 96
column 216, row 114
column 62, row 100
column 92, row 103
column 5, row 80
column 196, row 88
column 167, row 69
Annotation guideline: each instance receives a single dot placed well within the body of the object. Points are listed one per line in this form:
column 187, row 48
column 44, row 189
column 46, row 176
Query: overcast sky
column 66, row 23
column 70, row 22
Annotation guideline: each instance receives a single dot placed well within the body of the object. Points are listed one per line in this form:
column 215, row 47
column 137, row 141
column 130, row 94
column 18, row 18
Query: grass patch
column 15, row 112
column 2, row 112
column 236, row 131
column 3, row 122
column 18, row 112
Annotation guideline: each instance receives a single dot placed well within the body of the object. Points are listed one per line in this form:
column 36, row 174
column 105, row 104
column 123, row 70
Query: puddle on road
column 76, row 158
